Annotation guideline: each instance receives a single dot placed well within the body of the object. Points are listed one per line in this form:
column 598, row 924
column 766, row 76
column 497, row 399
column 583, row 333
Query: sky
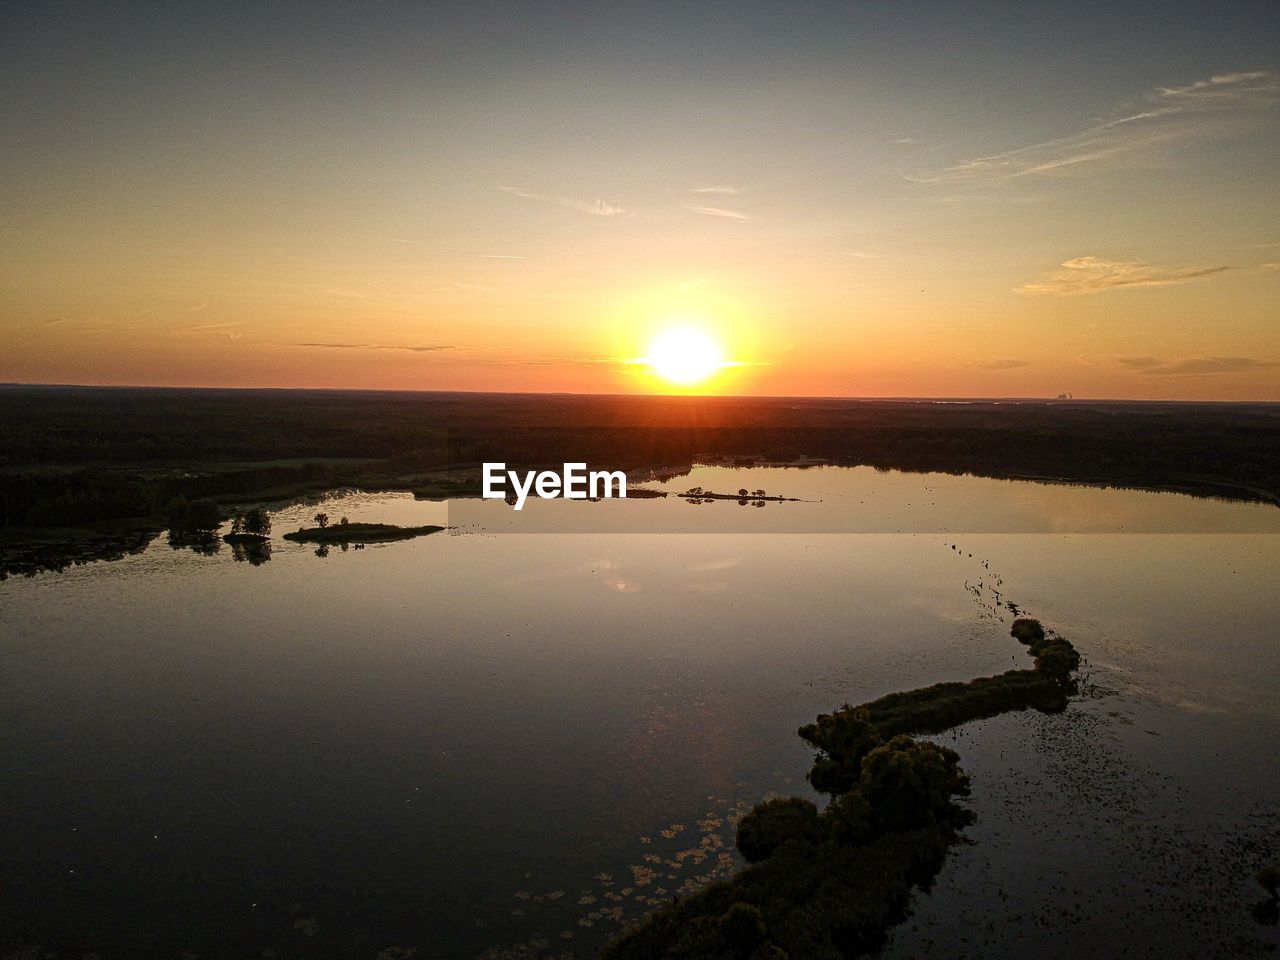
column 850, row 199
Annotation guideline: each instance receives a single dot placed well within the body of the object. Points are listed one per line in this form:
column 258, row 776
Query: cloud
column 553, row 361
column 734, row 215
column 598, row 208
column 1167, row 115
column 1085, row 275
column 1000, row 363
column 426, row 348
column 1225, row 87
column 229, row 331
column 42, row 324
column 726, row 191
column 1194, row 366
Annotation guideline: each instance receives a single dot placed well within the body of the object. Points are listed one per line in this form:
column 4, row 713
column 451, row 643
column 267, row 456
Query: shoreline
column 26, row 550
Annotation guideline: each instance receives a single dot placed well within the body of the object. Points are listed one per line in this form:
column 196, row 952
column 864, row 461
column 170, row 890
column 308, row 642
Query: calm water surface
column 477, row 742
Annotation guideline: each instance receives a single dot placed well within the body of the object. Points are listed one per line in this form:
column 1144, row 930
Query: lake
column 487, row 742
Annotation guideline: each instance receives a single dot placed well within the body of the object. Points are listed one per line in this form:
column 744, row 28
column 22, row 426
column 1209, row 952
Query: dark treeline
column 77, row 455
column 87, row 495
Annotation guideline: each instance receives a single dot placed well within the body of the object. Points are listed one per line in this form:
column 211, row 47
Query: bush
column 1057, row 659
column 771, row 824
column 257, row 521
column 199, row 516
column 845, row 736
column 1269, row 879
column 910, row 783
column 1026, row 630
column 849, row 818
column 742, row 926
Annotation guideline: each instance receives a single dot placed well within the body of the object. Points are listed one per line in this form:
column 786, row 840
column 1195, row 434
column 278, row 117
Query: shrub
column 198, row 516
column 1057, row 659
column 771, row 824
column 742, row 926
column 910, row 783
column 257, row 521
column 849, row 818
column 1269, row 879
column 1026, row 630
column 845, row 736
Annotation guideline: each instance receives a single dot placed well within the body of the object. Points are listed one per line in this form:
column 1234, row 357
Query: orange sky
column 846, row 210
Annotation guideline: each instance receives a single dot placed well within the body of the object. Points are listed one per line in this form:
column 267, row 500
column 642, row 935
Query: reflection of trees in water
column 744, row 497
column 256, row 553
column 28, row 561
column 323, row 549
column 204, row 544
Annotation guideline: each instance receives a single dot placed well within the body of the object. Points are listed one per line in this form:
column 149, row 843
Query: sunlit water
column 477, row 741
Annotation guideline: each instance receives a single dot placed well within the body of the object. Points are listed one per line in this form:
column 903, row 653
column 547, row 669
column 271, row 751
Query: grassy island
column 246, row 539
column 359, row 533
column 828, row 885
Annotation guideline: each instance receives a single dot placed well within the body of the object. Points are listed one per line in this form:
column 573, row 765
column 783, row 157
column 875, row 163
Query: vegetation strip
column 828, row 885
column 360, row 533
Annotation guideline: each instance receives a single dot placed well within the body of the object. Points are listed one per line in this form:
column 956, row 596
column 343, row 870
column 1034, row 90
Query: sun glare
column 684, row 355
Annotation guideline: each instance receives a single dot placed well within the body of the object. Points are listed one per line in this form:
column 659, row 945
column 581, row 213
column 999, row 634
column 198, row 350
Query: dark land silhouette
column 86, row 470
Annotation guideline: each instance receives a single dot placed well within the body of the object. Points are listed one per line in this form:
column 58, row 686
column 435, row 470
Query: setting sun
column 684, row 355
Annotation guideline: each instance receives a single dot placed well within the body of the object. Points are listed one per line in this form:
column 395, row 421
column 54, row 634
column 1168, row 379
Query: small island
column 359, row 533
column 830, row 884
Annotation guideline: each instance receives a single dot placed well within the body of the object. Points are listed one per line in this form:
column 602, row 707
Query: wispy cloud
column 1224, row 87
column 735, row 215
column 598, row 208
column 999, row 363
column 42, row 324
column 1085, row 275
column 424, row 348
column 1194, row 366
column 203, row 327
column 1165, row 115
column 551, row 361
column 721, row 190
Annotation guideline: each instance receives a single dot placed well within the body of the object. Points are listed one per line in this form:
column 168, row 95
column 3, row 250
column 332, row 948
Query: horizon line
column 16, row 384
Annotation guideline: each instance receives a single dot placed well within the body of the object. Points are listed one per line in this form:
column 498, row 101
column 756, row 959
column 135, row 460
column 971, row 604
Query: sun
column 684, row 355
